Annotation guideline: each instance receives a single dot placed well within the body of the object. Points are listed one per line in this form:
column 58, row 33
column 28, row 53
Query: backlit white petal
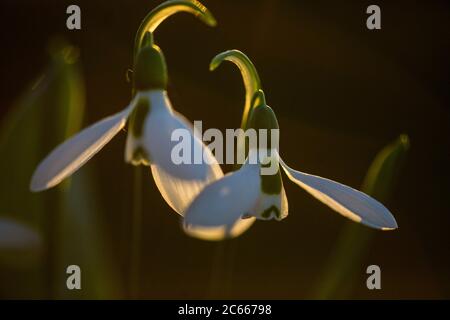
column 347, row 201
column 16, row 236
column 222, row 203
column 159, row 127
column 73, row 153
column 179, row 193
column 219, row 233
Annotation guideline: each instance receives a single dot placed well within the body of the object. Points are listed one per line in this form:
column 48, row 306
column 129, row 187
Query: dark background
column 341, row 92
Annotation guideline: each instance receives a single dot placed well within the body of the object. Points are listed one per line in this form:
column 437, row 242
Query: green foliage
column 50, row 111
column 354, row 240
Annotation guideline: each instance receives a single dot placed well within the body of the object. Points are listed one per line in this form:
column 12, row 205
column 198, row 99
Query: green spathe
column 263, row 117
column 150, row 70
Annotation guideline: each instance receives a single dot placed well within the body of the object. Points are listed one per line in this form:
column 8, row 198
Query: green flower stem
column 250, row 76
column 144, row 37
column 225, row 251
column 165, row 10
column 222, row 267
column 355, row 239
column 136, row 234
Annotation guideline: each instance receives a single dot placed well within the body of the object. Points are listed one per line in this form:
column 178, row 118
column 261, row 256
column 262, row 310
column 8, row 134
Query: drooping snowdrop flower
column 248, row 192
column 152, row 121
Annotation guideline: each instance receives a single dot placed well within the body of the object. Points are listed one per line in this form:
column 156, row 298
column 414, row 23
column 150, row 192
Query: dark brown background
column 340, row 91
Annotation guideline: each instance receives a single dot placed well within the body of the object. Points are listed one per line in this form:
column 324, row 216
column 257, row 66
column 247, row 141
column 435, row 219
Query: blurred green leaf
column 48, row 113
column 354, row 240
column 84, row 243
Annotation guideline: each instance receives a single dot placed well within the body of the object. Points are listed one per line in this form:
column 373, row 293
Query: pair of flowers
column 214, row 206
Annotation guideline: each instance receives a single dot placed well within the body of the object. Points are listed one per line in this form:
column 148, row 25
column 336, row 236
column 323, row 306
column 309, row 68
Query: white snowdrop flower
column 151, row 121
column 249, row 194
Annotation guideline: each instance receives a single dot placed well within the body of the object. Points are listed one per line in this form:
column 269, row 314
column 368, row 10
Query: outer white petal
column 73, row 153
column 220, row 233
column 347, row 201
column 16, row 236
column 284, row 204
column 179, row 193
column 217, row 211
column 157, row 140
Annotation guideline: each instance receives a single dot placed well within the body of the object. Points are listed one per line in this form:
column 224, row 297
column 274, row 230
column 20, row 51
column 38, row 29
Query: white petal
column 157, row 141
column 73, row 153
column 221, row 204
column 179, row 193
column 219, row 233
column 284, row 204
column 347, row 201
column 16, row 236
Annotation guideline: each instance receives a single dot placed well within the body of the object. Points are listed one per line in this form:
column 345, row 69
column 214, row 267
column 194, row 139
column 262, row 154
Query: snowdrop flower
column 151, row 121
column 248, row 193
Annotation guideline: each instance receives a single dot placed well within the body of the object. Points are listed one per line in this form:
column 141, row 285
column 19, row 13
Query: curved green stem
column 165, row 10
column 250, row 76
column 258, row 99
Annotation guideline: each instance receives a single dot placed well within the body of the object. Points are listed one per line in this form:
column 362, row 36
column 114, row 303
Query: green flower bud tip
column 150, row 70
column 262, row 116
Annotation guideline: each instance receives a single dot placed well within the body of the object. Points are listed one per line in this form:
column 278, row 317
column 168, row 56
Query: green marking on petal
column 140, row 156
column 267, row 213
column 138, row 116
column 271, row 184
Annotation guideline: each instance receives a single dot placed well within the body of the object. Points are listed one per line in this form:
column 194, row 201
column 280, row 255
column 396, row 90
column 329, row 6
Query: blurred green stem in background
column 221, row 277
column 67, row 88
column 136, row 231
column 46, row 115
column 354, row 240
column 49, row 112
